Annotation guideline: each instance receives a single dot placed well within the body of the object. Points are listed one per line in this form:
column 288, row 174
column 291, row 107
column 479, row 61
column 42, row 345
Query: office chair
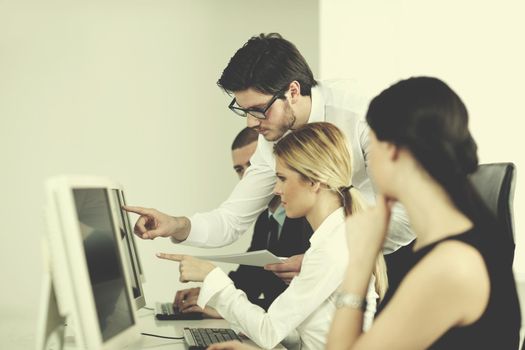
column 495, row 183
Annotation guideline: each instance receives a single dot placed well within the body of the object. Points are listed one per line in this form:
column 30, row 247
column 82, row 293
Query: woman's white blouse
column 307, row 306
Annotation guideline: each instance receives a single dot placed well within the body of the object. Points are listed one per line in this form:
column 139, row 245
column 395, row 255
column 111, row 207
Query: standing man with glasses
column 274, row 89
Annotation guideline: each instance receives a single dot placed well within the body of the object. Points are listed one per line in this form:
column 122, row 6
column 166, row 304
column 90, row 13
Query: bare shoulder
column 448, row 287
column 459, row 271
column 457, row 260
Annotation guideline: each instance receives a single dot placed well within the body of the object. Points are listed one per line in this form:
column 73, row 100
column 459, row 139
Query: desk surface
column 148, row 324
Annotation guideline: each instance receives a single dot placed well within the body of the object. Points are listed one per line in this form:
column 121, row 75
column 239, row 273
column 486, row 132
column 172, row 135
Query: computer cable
column 161, row 336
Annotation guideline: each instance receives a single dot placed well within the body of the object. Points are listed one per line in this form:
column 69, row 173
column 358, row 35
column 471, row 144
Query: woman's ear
column 393, row 151
column 315, row 186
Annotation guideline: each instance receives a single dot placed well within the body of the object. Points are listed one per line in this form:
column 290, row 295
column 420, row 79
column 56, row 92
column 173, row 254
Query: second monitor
column 116, row 194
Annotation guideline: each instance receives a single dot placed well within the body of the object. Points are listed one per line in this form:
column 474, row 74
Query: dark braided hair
column 426, row 116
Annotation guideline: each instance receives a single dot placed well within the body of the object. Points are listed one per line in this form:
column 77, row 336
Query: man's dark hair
column 244, row 138
column 267, row 63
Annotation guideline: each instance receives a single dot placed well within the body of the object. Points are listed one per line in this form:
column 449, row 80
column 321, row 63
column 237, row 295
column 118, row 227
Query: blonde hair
column 318, row 152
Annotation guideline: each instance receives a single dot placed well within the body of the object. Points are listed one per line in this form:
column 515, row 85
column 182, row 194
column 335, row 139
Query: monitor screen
column 105, row 269
column 129, row 230
column 128, row 243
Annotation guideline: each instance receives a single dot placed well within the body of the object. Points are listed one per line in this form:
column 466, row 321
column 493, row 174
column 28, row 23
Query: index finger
column 173, row 257
column 136, row 210
column 288, row 276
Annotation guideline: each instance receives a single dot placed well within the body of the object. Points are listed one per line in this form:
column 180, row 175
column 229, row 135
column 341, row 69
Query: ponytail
column 354, row 203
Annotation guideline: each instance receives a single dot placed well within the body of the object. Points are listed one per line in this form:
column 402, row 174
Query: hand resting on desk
column 191, row 270
column 186, row 301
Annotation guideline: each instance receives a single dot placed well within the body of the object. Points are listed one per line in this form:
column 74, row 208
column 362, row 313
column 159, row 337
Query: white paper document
column 256, row 258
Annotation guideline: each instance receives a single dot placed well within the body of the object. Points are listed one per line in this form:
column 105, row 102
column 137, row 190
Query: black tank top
column 499, row 326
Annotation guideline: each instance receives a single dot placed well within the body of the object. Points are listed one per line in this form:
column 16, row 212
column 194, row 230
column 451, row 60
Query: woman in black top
column 456, row 293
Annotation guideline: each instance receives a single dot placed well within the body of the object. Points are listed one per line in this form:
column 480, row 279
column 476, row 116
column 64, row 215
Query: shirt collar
column 317, row 111
column 279, row 215
column 324, row 231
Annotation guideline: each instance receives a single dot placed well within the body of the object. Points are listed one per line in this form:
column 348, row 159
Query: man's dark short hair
column 267, row 63
column 244, row 138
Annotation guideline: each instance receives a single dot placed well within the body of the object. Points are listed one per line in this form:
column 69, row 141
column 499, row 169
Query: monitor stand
column 51, row 324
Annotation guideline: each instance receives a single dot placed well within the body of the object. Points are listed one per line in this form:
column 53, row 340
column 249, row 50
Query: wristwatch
column 350, row 300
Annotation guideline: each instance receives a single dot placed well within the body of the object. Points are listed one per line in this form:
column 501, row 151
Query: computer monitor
column 131, row 234
column 116, row 194
column 89, row 284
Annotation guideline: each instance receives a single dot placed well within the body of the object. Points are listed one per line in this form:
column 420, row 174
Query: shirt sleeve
column 371, row 305
column 249, row 198
column 399, row 231
column 364, row 140
column 320, row 276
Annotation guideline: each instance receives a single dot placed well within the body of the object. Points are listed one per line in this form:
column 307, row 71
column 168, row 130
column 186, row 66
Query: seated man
column 272, row 231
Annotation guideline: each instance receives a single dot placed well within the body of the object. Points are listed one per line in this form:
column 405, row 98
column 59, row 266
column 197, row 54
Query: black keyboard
column 201, row 338
column 164, row 312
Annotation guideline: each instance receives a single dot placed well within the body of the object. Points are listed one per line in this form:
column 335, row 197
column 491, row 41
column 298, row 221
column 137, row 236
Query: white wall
column 477, row 47
column 124, row 89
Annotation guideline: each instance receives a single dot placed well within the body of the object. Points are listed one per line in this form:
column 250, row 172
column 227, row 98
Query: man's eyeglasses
column 259, row 113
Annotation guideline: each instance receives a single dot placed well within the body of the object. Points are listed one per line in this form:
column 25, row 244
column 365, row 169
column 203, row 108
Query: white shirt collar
column 318, row 102
column 316, row 112
column 279, row 215
column 324, row 231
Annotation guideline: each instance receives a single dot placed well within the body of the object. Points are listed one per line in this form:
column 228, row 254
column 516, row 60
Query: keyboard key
column 204, row 337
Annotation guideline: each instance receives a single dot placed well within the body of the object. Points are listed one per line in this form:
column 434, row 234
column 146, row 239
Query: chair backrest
column 495, row 184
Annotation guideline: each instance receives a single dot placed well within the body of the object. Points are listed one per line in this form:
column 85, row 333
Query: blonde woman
column 313, row 169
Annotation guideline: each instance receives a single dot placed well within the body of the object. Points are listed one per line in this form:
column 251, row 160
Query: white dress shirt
column 338, row 102
column 307, row 306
